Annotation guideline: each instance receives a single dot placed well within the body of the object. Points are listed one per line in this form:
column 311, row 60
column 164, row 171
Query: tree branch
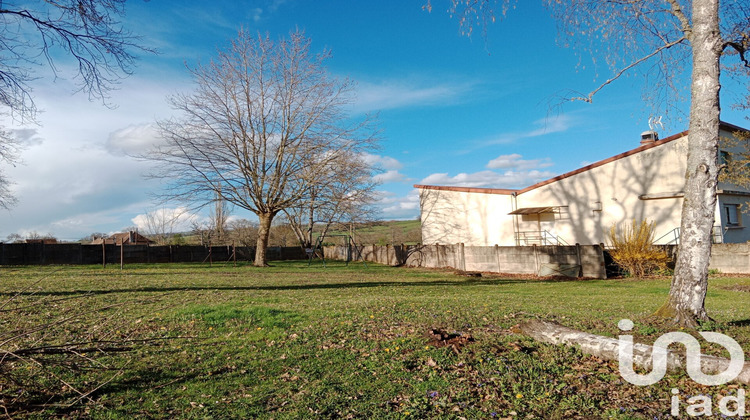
column 590, row 96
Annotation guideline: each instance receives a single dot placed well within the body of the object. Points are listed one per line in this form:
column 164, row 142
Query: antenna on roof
column 653, row 122
column 652, row 135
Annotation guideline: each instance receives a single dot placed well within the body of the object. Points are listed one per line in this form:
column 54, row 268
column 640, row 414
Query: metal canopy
column 536, row 210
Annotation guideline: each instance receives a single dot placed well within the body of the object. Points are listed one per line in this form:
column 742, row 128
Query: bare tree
column 9, row 155
column 219, row 215
column 88, row 31
column 264, row 116
column 243, row 232
column 663, row 37
column 342, row 194
column 159, row 224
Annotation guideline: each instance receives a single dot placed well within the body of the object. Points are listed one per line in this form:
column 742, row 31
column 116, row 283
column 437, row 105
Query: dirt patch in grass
column 737, row 288
column 440, row 337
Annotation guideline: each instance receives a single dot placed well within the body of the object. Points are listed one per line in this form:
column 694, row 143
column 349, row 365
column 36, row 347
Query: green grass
column 292, row 341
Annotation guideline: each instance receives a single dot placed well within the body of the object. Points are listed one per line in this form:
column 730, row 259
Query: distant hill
column 384, row 232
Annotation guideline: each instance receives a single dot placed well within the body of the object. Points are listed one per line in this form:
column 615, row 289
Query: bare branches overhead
column 87, row 31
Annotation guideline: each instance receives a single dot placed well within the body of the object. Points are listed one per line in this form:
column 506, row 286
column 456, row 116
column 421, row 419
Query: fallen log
column 609, row 349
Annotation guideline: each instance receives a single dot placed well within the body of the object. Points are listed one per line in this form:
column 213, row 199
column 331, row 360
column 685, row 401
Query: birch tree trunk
column 687, row 293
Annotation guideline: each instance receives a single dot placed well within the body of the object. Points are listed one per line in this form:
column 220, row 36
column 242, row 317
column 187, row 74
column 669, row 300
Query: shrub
column 634, row 251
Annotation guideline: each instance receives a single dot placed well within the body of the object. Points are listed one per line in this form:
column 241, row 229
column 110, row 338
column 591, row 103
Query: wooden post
column 104, row 253
column 234, row 254
column 122, row 253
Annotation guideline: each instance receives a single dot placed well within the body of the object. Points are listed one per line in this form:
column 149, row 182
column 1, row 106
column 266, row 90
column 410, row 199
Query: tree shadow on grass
column 315, row 286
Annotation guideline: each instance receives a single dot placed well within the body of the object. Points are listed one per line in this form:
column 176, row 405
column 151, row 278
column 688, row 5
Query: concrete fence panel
column 587, row 261
column 730, row 258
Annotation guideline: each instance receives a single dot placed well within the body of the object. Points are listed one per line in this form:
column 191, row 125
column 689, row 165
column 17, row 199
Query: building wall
column 450, row 217
column 644, row 184
column 610, row 194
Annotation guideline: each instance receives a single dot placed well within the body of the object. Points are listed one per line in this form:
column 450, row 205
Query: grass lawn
column 292, row 341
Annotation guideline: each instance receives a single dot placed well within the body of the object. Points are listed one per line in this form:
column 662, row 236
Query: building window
column 724, row 158
column 732, row 214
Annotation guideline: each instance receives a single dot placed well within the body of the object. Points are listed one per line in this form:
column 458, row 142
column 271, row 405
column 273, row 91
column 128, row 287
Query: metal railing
column 717, row 236
column 536, row 237
column 674, row 234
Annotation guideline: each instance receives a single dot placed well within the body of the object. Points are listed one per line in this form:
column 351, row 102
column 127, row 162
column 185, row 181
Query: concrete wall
column 731, row 258
column 575, row 261
column 39, row 254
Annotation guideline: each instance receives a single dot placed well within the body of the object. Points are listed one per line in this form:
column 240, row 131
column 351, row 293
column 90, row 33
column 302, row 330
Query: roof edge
column 501, row 191
column 606, row 161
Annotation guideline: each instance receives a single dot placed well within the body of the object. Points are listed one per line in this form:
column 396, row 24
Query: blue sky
column 452, row 110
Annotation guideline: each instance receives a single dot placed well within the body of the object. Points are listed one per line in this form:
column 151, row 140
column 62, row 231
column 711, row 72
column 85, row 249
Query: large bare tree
column 264, row 122
column 86, row 32
column 661, row 38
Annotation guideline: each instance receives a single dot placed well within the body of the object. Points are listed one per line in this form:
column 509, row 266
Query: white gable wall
column 609, row 194
column 450, row 217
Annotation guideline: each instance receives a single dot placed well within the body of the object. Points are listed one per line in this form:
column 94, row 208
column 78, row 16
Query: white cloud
column 132, row 140
column 514, row 161
column 392, row 94
column 389, row 176
column 382, row 162
column 76, row 179
column 489, row 179
column 542, row 127
column 399, row 207
column 27, row 137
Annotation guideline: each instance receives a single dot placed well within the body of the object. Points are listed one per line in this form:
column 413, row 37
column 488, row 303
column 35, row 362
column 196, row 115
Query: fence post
column 497, row 258
column 104, row 253
column 578, row 257
column 122, row 253
column 437, row 255
column 462, row 256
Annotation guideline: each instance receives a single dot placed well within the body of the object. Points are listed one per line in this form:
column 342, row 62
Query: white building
column 646, row 183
